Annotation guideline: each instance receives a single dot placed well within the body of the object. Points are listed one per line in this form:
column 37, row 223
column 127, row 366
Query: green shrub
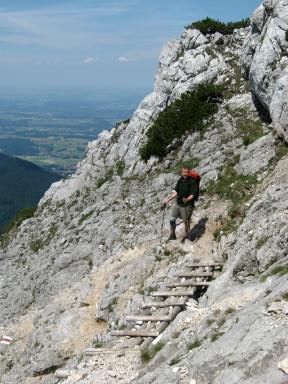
column 186, row 114
column 97, row 344
column 127, row 121
column 209, row 26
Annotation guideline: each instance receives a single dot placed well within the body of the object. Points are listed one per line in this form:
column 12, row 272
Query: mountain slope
column 92, row 253
column 22, row 184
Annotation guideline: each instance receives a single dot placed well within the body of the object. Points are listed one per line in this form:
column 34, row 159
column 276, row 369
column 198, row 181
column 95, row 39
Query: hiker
column 186, row 191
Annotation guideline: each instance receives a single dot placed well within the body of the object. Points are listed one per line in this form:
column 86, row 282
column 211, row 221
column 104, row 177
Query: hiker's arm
column 170, row 197
column 189, row 198
column 192, row 192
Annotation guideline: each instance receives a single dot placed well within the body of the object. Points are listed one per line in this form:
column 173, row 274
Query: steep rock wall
column 265, row 58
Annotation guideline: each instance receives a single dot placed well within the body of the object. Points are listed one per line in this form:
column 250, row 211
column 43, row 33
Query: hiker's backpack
column 197, row 178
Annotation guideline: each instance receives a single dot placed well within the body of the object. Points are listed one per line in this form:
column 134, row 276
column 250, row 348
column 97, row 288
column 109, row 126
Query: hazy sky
column 96, row 43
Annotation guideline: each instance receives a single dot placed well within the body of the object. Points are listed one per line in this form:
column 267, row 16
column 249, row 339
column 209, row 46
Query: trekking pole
column 162, row 224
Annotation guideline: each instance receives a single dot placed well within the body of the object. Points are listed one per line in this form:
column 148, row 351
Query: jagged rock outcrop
column 92, row 251
column 265, row 58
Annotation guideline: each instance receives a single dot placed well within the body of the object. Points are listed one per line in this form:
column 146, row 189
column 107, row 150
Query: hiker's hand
column 163, row 206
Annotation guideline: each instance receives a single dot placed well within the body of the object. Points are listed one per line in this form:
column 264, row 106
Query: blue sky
column 96, row 43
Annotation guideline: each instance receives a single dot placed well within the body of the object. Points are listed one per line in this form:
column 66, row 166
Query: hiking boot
column 172, row 237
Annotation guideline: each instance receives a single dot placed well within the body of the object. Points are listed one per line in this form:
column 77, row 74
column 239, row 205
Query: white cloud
column 91, row 60
column 124, row 59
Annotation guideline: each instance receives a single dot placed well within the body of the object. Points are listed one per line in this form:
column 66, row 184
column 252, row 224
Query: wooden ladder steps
column 129, row 332
column 194, row 265
column 173, row 293
column 148, row 318
column 194, row 274
column 175, row 284
column 163, row 304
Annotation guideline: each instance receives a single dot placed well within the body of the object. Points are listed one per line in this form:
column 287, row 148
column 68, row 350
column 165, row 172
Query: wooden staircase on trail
column 163, row 312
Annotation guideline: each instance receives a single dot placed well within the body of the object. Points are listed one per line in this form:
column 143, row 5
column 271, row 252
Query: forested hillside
column 22, row 184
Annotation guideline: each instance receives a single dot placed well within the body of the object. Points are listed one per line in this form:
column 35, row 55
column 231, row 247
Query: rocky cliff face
column 264, row 60
column 91, row 253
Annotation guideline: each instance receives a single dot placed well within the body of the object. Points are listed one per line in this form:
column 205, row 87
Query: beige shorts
column 183, row 213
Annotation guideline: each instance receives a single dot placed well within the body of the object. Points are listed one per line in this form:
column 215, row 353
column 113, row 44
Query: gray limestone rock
column 261, row 57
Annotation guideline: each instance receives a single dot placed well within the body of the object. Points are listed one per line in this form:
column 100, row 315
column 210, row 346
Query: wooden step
column 97, row 351
column 194, row 274
column 172, row 293
column 148, row 318
column 163, row 304
column 204, row 265
column 129, row 332
column 175, row 284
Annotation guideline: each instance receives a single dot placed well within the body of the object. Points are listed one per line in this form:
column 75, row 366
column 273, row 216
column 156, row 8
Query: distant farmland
column 53, row 132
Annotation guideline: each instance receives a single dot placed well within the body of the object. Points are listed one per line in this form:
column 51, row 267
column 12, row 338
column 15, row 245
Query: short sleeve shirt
column 184, row 188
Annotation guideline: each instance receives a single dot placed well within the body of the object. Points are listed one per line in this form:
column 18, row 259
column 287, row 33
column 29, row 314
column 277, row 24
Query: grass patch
column 85, row 217
column 111, row 304
column 261, row 242
column 280, row 270
column 36, row 245
column 148, row 354
column 221, row 322
column 215, row 336
column 40, row 243
column 194, row 344
column 186, row 114
column 120, row 167
column 210, row 26
column 210, row 321
column 107, row 177
column 281, row 150
column 175, row 360
column 236, row 188
column 250, row 130
column 232, row 186
column 229, row 310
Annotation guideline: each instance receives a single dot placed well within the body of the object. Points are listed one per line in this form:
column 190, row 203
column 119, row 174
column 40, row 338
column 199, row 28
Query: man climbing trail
column 186, row 191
